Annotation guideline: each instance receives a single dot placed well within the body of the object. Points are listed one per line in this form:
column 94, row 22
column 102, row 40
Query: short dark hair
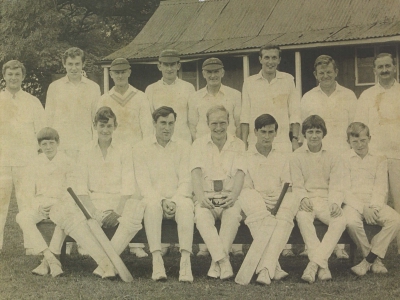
column 269, row 47
column 324, row 60
column 355, row 129
column 314, row 121
column 14, row 64
column 383, row 55
column 48, row 133
column 73, row 52
column 104, row 114
column 265, row 120
column 216, row 108
column 163, row 111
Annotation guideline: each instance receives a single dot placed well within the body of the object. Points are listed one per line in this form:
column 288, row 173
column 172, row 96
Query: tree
column 37, row 32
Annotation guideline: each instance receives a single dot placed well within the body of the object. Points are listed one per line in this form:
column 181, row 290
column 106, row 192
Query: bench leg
column 353, row 249
column 63, row 253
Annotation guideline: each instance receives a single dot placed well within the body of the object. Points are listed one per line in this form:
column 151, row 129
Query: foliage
column 37, row 32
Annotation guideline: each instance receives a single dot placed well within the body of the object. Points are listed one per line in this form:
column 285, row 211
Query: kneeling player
column 366, row 178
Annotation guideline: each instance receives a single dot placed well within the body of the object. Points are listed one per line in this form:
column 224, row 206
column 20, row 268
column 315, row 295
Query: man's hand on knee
column 169, row 208
column 335, row 210
column 306, row 205
column 111, row 219
column 371, row 215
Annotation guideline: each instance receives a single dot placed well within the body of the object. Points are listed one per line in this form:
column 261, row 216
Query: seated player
column 366, row 178
column 43, row 185
column 162, row 167
column 267, row 171
column 217, row 166
column 316, row 181
column 105, row 185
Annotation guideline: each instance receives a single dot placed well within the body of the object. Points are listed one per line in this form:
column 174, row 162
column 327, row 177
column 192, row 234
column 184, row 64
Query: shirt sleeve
column 50, row 107
column 237, row 108
column 143, row 176
column 193, row 114
column 39, row 116
column 185, row 179
column 128, row 175
column 352, row 101
column 245, row 109
column 380, row 189
column 336, row 182
column 285, row 175
column 82, row 175
column 294, row 104
column 195, row 160
column 145, row 118
column 95, row 101
column 362, row 110
column 149, row 95
column 298, row 183
column 239, row 162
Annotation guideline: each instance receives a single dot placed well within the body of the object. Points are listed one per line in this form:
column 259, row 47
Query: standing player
column 214, row 93
column 70, row 104
column 379, row 108
column 336, row 105
column 172, row 92
column 272, row 92
column 21, row 118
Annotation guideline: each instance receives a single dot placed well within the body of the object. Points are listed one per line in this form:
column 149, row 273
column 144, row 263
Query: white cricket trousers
column 10, row 176
column 389, row 220
column 253, row 206
column 320, row 251
column 220, row 243
column 184, row 218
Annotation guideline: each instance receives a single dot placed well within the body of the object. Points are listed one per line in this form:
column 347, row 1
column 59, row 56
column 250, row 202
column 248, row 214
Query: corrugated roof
column 211, row 26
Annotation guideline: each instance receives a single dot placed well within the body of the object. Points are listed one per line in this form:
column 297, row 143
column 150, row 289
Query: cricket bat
column 103, row 240
column 259, row 244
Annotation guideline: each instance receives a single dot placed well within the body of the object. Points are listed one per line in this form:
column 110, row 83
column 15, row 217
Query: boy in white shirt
column 316, row 184
column 366, row 178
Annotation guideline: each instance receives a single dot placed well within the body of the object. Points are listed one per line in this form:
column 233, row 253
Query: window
column 364, row 63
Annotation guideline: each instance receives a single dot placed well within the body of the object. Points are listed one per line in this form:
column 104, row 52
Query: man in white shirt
column 272, row 92
column 366, row 187
column 267, row 172
column 133, row 112
column 163, row 177
column 129, row 105
column 316, row 185
column 21, row 118
column 336, row 105
column 172, row 92
column 214, row 93
column 71, row 104
column 217, row 166
column 105, row 185
column 379, row 108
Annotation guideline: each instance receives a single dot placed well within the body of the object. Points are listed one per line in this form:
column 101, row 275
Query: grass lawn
column 77, row 282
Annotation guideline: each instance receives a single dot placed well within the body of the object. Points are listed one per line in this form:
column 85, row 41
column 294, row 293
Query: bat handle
column 79, row 203
column 280, row 199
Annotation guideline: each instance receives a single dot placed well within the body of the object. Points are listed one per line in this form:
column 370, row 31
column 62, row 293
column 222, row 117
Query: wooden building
column 351, row 31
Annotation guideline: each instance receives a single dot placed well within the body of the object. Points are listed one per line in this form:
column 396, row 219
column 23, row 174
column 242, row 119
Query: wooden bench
column 170, row 235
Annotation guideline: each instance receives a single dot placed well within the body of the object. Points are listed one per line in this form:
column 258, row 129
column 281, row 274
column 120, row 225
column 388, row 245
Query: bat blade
column 259, row 244
column 109, row 250
column 255, row 252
